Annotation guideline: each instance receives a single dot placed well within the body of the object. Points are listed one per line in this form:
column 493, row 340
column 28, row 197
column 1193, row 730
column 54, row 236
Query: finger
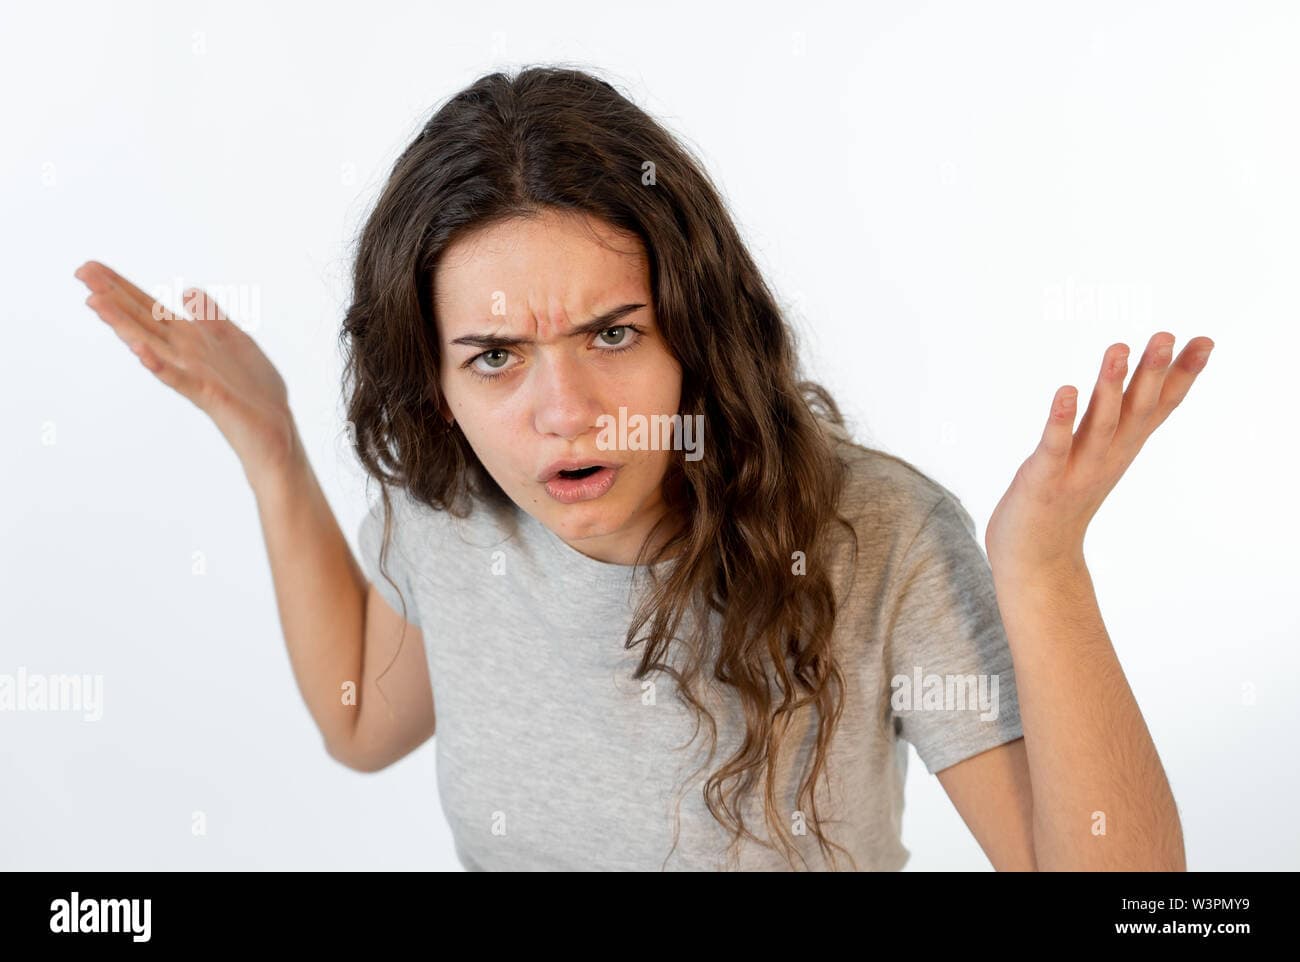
column 128, row 325
column 146, row 313
column 1097, row 427
column 183, row 382
column 1143, row 393
column 1053, row 453
column 1178, row 381
column 151, row 314
column 130, row 292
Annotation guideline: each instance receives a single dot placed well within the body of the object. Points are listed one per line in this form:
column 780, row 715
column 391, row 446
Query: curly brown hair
column 553, row 137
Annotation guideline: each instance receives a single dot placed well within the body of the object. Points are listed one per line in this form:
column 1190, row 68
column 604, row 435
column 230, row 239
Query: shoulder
column 428, row 550
column 888, row 499
column 418, row 526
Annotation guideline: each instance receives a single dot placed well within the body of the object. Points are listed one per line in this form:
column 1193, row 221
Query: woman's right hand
column 210, row 361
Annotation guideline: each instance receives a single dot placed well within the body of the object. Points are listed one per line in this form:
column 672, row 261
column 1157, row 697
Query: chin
column 577, row 522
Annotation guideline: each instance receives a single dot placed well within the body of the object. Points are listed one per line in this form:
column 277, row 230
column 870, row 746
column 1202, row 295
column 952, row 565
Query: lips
column 552, row 470
column 588, row 485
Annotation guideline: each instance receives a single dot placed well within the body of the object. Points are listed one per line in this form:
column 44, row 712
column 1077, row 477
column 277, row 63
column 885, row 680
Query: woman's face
column 527, row 376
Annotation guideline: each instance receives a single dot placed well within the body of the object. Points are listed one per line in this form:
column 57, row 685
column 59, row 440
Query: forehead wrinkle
column 551, row 321
column 544, row 316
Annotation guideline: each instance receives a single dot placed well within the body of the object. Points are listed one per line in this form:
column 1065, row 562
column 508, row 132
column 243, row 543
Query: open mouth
column 580, row 472
column 571, row 485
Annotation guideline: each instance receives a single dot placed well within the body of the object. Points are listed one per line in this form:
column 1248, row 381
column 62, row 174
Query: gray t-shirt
column 550, row 756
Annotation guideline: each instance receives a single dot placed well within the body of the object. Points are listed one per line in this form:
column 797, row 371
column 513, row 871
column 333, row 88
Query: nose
column 564, row 400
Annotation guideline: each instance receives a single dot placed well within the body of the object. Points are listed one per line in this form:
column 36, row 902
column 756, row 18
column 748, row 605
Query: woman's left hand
column 1041, row 520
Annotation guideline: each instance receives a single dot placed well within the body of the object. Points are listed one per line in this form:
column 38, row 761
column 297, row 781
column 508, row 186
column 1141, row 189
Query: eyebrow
column 593, row 326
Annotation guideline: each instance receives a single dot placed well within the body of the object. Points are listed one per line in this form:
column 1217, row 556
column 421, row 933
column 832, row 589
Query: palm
column 245, row 395
column 1045, row 512
column 208, row 360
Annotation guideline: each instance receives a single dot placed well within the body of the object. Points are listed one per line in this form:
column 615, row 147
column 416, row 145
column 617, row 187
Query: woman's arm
column 322, row 594
column 1100, row 798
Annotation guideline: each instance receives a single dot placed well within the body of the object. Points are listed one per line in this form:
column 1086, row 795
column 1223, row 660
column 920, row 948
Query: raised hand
column 207, row 359
column 1042, row 519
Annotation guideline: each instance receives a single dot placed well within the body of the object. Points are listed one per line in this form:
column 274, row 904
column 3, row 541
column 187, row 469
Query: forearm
column 1101, row 797
column 320, row 591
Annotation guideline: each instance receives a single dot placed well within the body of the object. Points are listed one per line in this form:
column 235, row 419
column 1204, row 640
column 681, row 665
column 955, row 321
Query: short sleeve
column 952, row 685
column 397, row 563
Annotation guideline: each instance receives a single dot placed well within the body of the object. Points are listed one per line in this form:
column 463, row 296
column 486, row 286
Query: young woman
column 701, row 645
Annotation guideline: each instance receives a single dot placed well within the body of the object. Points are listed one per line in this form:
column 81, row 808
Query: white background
column 963, row 205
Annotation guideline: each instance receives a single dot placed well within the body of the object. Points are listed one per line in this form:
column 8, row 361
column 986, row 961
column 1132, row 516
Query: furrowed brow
column 595, row 325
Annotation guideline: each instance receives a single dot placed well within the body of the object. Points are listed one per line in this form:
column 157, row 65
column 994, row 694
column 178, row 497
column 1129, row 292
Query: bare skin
column 340, row 632
column 209, row 360
column 1084, row 789
column 525, row 406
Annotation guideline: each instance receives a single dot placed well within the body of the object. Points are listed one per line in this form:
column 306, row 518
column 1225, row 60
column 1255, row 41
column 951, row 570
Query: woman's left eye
column 620, row 335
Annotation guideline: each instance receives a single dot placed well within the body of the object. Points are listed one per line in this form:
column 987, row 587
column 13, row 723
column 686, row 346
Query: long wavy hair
column 553, row 137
